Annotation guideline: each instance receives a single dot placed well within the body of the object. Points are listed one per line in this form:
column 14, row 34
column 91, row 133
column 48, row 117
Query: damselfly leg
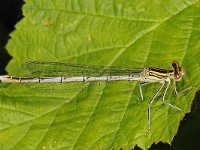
column 163, row 96
column 163, row 100
column 140, row 87
column 150, row 102
column 175, row 90
column 183, row 90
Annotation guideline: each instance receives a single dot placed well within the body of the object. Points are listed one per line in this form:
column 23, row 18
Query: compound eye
column 175, row 64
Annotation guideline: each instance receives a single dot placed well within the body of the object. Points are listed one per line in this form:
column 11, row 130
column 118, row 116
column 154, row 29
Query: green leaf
column 102, row 32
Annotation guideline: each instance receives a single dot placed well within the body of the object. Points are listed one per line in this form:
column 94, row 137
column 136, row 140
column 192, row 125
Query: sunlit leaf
column 100, row 115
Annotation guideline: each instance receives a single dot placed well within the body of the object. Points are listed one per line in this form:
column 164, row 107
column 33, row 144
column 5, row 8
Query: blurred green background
column 188, row 134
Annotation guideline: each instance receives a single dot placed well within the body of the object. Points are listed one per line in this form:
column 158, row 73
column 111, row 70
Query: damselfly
column 43, row 72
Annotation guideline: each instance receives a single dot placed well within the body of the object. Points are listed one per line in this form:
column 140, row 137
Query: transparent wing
column 51, row 69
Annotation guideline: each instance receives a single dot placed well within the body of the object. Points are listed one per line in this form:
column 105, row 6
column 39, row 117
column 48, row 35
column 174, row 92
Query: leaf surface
column 100, row 115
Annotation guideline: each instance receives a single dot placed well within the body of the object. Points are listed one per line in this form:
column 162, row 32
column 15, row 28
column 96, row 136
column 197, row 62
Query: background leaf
column 112, row 33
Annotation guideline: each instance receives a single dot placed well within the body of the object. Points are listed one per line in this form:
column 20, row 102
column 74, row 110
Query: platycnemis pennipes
column 44, row 72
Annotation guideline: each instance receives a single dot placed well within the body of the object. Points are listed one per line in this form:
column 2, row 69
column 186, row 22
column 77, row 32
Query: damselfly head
column 178, row 71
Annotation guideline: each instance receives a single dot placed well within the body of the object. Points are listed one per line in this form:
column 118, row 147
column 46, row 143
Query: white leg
column 140, row 87
column 182, row 91
column 163, row 97
column 150, row 102
column 175, row 90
